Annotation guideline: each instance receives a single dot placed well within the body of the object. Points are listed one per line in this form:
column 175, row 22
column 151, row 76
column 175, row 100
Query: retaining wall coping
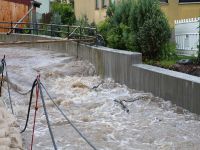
column 168, row 72
column 33, row 35
column 116, row 50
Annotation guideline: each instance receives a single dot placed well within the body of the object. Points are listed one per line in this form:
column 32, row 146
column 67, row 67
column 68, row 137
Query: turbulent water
column 142, row 122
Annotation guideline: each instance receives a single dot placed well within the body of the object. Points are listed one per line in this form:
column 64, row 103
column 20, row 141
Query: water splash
column 152, row 123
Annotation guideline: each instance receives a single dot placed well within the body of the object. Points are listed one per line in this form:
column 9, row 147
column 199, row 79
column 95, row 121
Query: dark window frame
column 189, row 1
column 103, row 4
column 97, row 4
column 164, row 1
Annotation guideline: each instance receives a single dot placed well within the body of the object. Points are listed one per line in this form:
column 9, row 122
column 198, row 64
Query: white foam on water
column 151, row 123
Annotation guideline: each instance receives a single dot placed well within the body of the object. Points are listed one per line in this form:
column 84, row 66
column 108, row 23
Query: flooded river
column 140, row 122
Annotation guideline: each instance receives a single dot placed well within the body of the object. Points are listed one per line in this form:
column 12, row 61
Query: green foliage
column 138, row 26
column 65, row 11
column 168, row 63
column 26, row 30
column 198, row 57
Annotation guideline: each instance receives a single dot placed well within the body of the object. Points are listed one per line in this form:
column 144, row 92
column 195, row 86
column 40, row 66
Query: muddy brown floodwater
column 151, row 123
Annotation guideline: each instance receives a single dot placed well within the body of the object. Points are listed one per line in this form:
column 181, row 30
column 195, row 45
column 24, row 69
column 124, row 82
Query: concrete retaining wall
column 18, row 37
column 111, row 63
column 180, row 88
column 127, row 68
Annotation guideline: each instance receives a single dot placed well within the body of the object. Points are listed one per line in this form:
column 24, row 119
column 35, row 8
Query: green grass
column 167, row 63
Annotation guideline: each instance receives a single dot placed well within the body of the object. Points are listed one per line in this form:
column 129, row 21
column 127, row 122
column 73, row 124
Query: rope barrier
column 46, row 115
column 38, row 85
column 2, row 76
column 8, row 85
column 88, row 142
column 36, row 108
column 29, row 107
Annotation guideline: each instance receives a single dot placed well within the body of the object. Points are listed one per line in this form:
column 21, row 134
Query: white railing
column 187, row 41
column 187, row 34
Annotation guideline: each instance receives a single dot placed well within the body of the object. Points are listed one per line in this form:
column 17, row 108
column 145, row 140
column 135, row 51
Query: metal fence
column 187, row 41
column 187, row 35
column 54, row 30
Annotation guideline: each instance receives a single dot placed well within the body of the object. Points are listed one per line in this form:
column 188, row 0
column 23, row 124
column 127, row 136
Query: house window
column 189, row 1
column 164, row 1
column 97, row 4
column 103, row 2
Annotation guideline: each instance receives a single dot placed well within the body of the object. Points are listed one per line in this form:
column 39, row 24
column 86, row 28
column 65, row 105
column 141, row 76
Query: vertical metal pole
column 80, row 33
column 11, row 26
column 68, row 31
column 96, row 39
column 199, row 43
column 51, row 30
column 36, row 28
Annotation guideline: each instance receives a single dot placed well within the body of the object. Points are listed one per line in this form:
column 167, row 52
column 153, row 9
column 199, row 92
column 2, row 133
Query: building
column 180, row 9
column 44, row 8
column 13, row 10
column 95, row 10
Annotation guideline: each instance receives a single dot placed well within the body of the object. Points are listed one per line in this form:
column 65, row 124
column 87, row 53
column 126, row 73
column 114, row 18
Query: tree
column 65, row 11
column 137, row 26
column 198, row 57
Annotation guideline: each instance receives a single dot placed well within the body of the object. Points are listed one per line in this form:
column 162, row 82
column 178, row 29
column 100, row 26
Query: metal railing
column 53, row 30
column 187, row 41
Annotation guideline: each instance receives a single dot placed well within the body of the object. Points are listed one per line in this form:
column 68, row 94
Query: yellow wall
column 172, row 9
column 88, row 8
column 175, row 11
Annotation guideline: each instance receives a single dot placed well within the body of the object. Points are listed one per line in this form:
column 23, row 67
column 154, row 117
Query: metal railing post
column 11, row 26
column 68, row 30
column 36, row 28
column 80, row 30
column 51, row 30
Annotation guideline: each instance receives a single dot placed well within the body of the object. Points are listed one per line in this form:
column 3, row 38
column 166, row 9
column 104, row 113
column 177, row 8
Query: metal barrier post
column 11, row 26
column 51, row 30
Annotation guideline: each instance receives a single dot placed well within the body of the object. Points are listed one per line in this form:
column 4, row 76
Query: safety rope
column 89, row 143
column 29, row 107
column 8, row 85
column 2, row 76
column 46, row 115
column 38, row 85
column 15, row 88
column 36, row 108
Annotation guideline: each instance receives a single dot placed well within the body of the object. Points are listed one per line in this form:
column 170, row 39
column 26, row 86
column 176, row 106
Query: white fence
column 187, row 35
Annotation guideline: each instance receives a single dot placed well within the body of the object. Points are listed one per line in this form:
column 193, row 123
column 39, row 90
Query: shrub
column 66, row 12
column 198, row 57
column 138, row 26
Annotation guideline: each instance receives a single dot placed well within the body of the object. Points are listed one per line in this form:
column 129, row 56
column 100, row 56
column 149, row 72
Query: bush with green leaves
column 138, row 25
column 198, row 57
column 65, row 11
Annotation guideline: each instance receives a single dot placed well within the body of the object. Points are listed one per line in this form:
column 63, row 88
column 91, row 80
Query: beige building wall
column 175, row 10
column 88, row 8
